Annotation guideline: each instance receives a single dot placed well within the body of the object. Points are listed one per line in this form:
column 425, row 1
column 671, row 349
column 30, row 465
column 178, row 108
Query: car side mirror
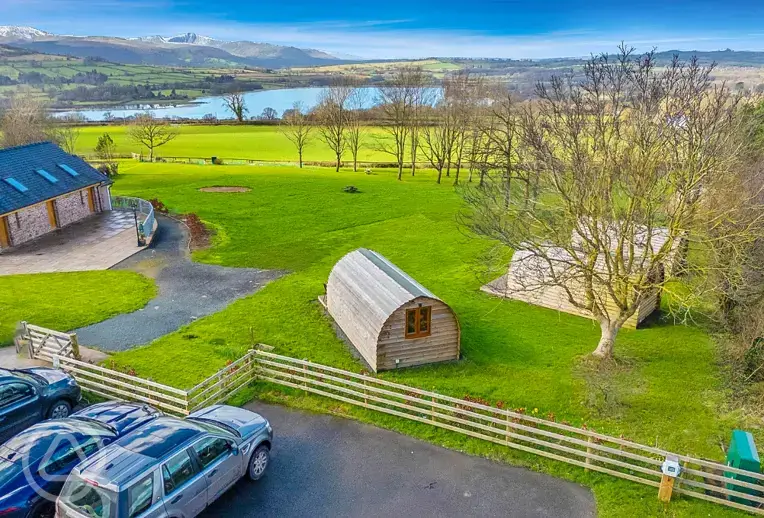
column 235, row 450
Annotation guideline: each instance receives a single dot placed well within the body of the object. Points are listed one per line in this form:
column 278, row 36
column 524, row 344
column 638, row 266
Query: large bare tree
column 151, row 132
column 629, row 162
column 297, row 128
column 235, row 103
column 333, row 116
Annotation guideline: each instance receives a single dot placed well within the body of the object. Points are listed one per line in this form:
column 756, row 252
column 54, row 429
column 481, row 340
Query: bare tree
column 439, row 137
column 269, row 114
column 235, row 103
column 463, row 93
column 332, row 113
column 356, row 133
column 501, row 135
column 630, row 162
column 67, row 132
column 150, row 132
column 25, row 121
column 297, row 128
column 422, row 97
column 396, row 102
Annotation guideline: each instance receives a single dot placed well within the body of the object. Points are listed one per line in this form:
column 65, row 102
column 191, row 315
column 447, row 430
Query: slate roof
column 21, row 164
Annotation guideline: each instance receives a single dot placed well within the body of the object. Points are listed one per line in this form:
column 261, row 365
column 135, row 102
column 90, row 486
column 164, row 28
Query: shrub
column 159, row 207
column 109, row 169
column 217, row 161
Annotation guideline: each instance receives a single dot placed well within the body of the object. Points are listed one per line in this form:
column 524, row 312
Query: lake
column 279, row 100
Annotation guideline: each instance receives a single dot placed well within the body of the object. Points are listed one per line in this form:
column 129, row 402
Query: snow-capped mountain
column 189, row 38
column 189, row 49
column 21, row 33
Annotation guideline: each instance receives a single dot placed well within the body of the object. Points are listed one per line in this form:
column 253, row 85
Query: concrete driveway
column 95, row 243
column 324, row 466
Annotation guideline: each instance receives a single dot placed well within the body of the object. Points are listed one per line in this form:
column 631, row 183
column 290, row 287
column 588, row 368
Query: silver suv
column 170, row 468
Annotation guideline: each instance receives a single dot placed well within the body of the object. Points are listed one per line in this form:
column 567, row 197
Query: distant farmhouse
column 43, row 188
column 388, row 317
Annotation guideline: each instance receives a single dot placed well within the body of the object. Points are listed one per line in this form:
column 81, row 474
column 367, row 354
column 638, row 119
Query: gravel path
column 187, row 291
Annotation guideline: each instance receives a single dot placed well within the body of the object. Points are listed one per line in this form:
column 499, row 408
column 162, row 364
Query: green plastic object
column 742, row 454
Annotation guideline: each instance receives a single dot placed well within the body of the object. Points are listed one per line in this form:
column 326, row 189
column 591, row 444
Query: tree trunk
column 339, row 159
column 151, row 154
column 607, row 340
column 300, row 153
column 440, row 173
column 400, row 170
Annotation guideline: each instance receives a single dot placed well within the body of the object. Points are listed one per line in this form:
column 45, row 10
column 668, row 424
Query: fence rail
column 618, row 457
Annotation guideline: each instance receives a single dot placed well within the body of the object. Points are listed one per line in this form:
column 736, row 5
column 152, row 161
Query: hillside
column 185, row 50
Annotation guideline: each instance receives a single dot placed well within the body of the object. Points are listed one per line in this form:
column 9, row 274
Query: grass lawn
column 65, row 301
column 228, row 141
column 666, row 392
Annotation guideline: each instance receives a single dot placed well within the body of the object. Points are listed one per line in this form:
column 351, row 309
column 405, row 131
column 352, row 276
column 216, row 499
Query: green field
column 665, row 391
column 228, row 141
column 65, row 301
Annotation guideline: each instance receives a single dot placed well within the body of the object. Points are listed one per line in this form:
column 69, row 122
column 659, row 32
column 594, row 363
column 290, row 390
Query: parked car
column 27, row 396
column 35, row 463
column 170, row 468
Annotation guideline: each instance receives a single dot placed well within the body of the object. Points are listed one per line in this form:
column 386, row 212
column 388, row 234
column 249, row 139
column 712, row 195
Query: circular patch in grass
column 225, row 189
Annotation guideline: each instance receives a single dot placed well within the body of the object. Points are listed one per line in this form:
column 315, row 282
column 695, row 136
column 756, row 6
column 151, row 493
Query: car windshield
column 30, row 376
column 94, row 422
column 214, row 426
column 8, row 471
column 88, row 499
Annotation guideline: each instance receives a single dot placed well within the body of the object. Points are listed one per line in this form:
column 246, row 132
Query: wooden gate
column 44, row 344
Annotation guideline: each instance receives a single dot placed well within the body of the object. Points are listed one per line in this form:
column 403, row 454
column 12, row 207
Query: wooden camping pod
column 390, row 319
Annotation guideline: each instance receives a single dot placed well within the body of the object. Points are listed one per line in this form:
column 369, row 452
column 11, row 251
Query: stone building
column 43, row 188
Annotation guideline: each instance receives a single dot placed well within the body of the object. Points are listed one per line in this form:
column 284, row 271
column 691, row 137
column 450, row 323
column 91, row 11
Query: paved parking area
column 325, row 466
column 96, row 243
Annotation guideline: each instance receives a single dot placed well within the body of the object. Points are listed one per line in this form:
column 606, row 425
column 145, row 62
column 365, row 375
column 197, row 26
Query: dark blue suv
column 27, row 396
column 35, row 463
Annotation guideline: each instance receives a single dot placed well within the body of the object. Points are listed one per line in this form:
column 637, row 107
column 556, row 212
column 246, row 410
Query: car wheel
column 44, row 509
column 59, row 410
column 258, row 462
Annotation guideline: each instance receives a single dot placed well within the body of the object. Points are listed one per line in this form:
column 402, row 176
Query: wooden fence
column 702, row 479
column 223, row 384
column 113, row 384
column 44, row 344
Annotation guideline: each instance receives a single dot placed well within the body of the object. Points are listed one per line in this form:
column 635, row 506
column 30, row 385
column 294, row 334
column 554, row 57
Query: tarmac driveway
column 324, row 466
column 187, row 291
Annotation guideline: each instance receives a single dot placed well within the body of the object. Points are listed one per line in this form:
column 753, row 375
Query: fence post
column 509, row 428
column 433, row 409
column 75, row 346
column 365, row 394
column 671, row 470
column 305, row 382
column 588, row 452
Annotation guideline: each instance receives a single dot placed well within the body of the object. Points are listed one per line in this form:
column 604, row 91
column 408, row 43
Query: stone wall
column 28, row 224
column 72, row 207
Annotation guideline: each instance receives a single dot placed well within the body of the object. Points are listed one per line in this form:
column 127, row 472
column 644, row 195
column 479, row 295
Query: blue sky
column 416, row 28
